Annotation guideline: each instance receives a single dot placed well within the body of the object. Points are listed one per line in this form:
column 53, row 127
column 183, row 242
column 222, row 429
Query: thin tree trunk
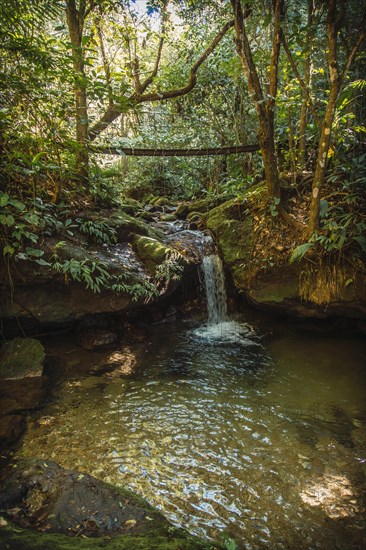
column 265, row 107
column 336, row 81
column 75, row 22
column 321, row 161
column 307, row 76
column 326, row 128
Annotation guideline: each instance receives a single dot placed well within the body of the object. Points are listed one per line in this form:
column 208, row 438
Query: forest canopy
column 86, row 84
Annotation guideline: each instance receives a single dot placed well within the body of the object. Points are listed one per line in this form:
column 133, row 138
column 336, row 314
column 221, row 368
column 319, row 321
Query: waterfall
column 215, row 289
column 219, row 327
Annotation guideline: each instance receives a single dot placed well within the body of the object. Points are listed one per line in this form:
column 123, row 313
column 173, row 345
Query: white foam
column 227, row 332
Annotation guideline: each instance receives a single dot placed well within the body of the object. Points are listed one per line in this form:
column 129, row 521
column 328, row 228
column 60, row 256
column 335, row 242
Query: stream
column 246, row 425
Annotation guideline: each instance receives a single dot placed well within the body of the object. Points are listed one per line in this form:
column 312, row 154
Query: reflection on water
column 265, row 441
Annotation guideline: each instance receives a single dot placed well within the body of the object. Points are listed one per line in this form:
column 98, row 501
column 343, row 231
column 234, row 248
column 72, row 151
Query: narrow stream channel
column 261, row 436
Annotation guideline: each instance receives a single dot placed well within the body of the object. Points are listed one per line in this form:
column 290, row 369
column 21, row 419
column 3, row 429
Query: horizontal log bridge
column 210, row 151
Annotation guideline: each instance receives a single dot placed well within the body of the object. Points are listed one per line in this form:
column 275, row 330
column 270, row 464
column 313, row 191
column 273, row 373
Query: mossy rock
column 163, row 201
column 130, row 206
column 200, row 205
column 167, row 218
column 182, row 211
column 51, row 507
column 126, row 226
column 194, row 216
column 232, row 228
column 15, row 538
column 150, row 251
column 132, row 202
column 21, row 358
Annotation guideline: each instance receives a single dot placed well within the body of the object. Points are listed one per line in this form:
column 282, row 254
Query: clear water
column 262, row 437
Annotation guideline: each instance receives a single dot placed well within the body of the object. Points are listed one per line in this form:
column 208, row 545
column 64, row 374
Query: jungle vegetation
column 86, row 85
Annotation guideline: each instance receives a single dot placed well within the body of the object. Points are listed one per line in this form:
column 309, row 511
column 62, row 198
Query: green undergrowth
column 44, row 235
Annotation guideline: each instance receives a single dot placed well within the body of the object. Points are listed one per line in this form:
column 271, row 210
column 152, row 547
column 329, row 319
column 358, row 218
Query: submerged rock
column 42, row 496
column 21, row 358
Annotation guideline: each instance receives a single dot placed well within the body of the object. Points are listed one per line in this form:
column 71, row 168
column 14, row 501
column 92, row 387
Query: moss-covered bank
column 256, row 247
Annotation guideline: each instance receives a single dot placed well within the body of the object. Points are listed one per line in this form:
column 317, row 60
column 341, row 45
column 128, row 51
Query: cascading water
column 215, row 289
column 219, row 327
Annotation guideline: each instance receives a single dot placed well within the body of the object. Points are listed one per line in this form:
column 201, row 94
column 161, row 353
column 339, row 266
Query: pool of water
column 260, row 436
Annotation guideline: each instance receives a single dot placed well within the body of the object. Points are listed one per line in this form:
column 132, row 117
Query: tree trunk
column 75, row 22
column 322, row 156
column 326, row 128
column 307, row 76
column 264, row 106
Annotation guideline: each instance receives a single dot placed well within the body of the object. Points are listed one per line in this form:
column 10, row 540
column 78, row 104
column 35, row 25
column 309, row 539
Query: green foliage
column 170, row 269
column 300, row 252
column 100, row 231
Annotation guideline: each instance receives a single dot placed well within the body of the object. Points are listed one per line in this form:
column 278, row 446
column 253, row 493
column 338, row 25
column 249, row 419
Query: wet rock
column 97, row 339
column 21, row 358
column 150, row 251
column 42, row 496
column 120, row 363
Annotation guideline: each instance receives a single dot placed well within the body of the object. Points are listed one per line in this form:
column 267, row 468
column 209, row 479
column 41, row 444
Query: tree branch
column 149, row 80
column 356, row 47
column 298, row 76
column 113, row 111
column 214, row 151
column 158, row 96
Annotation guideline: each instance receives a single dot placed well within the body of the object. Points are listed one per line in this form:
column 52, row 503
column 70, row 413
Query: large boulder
column 232, row 229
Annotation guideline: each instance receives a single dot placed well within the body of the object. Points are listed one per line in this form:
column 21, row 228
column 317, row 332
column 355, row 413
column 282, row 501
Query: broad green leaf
column 300, row 252
column 34, row 252
column 323, row 208
column 4, row 199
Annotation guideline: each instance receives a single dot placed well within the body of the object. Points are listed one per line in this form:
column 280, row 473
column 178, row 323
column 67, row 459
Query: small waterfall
column 219, row 327
column 215, row 289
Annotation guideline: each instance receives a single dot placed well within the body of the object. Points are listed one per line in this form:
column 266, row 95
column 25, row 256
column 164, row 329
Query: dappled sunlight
column 334, row 494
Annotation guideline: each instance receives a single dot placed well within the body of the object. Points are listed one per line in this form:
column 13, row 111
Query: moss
column 163, row 201
column 150, row 251
column 232, row 228
column 205, row 205
column 159, row 537
column 127, row 225
column 181, row 211
column 276, row 292
column 167, row 218
column 21, row 357
column 194, row 216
